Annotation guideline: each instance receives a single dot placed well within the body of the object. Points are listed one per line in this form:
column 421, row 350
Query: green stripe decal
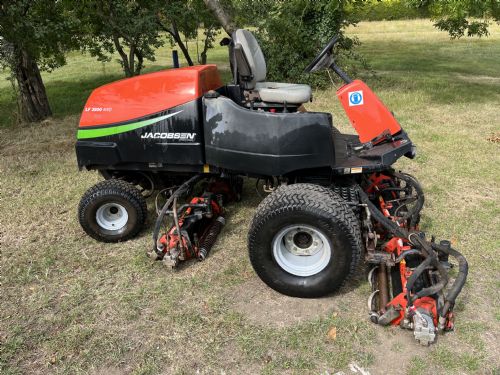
column 113, row 130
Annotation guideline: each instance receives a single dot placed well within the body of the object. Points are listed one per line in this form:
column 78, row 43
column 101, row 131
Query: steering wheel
column 323, row 59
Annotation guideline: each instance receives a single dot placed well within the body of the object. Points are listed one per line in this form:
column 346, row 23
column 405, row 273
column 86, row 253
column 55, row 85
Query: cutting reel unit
column 409, row 275
column 195, row 224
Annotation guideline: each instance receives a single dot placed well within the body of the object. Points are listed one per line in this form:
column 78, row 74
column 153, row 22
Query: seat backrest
column 253, row 54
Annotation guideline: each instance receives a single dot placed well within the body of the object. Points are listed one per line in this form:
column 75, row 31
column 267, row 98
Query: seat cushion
column 275, row 92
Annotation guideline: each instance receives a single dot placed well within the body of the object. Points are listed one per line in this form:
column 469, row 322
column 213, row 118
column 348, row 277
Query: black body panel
column 265, row 143
column 373, row 159
column 230, row 137
column 149, row 145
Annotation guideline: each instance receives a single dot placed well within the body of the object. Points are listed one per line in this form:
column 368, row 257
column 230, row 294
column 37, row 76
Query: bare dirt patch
column 263, row 306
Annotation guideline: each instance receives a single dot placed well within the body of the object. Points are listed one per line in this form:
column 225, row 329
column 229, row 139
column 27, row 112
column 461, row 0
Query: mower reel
column 194, row 225
column 408, row 274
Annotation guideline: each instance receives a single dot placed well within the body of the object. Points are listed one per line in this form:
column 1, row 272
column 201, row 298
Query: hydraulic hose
column 434, row 261
column 180, row 191
column 406, row 253
column 463, row 270
column 428, row 253
column 389, row 225
column 413, row 214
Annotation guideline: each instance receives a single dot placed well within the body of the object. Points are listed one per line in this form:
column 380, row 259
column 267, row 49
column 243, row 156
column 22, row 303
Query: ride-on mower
column 333, row 200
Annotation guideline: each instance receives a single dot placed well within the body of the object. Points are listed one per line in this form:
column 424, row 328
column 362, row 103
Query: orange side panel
column 368, row 115
column 140, row 96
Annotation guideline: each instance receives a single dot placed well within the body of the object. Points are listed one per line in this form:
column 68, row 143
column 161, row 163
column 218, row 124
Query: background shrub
column 380, row 10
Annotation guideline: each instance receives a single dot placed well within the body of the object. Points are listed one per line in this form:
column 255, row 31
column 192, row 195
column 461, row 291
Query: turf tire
column 112, row 191
column 318, row 207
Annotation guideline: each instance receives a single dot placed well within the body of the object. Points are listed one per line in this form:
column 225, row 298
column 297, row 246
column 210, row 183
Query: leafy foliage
column 127, row 27
column 34, row 35
column 377, row 10
column 43, row 28
column 461, row 17
column 293, row 32
column 186, row 17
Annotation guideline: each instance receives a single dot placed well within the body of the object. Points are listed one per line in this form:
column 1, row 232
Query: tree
column 462, row 17
column 174, row 15
column 222, row 13
column 211, row 28
column 292, row 33
column 34, row 36
column 183, row 18
column 128, row 27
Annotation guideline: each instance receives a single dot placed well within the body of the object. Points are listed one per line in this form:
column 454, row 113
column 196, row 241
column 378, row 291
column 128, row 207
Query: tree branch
column 222, row 15
column 123, row 55
column 178, row 40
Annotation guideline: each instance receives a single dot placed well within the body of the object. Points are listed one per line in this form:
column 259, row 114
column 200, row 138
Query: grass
column 71, row 305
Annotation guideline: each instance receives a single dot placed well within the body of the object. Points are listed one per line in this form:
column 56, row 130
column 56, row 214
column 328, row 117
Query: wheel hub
column 111, row 216
column 301, row 250
column 302, row 241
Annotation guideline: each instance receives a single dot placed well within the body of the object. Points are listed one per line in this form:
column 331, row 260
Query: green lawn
column 73, row 305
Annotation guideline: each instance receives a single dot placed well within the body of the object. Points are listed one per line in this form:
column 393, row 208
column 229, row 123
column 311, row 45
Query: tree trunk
column 222, row 15
column 123, row 55
column 140, row 61
column 131, row 59
column 178, row 40
column 206, row 45
column 180, row 43
column 34, row 102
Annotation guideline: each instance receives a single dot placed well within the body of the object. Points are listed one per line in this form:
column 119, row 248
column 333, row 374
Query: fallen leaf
column 332, row 333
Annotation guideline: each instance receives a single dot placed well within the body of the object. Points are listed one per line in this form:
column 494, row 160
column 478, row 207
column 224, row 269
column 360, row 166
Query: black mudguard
column 264, row 143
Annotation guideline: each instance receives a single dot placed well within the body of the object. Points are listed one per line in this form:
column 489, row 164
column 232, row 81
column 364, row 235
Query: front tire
column 304, row 241
column 112, row 211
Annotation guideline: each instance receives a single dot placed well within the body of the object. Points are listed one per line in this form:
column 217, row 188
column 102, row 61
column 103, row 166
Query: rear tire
column 112, row 211
column 304, row 241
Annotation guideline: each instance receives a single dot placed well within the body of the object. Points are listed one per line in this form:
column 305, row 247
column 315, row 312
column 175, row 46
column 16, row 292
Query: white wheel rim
column 301, row 250
column 111, row 216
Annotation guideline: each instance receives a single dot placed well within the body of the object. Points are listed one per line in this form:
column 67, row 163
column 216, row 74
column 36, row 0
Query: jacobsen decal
column 112, row 130
column 179, row 136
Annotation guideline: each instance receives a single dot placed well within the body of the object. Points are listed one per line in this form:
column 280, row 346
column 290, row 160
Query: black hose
column 427, row 247
column 435, row 288
column 463, row 270
column 181, row 190
column 414, row 213
column 404, row 254
column 431, row 258
column 415, row 275
column 389, row 225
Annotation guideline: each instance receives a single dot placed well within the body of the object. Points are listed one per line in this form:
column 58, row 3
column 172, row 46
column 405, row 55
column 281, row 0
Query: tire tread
column 113, row 187
column 288, row 198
